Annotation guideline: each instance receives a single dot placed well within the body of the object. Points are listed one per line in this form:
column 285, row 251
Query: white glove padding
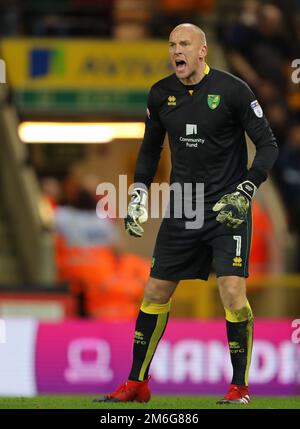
column 137, row 212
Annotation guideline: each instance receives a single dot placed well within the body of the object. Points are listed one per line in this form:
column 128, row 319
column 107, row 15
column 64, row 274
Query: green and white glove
column 137, row 212
column 233, row 207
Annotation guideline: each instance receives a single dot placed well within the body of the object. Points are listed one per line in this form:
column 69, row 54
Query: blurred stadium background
column 70, row 283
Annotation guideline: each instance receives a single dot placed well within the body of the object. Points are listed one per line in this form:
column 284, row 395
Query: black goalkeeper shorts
column 182, row 253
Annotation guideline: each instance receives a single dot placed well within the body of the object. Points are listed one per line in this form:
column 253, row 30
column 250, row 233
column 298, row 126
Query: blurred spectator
column 277, row 114
column 107, row 282
column 52, row 190
column 82, row 18
column 78, row 222
column 131, row 19
column 120, row 293
column 50, row 197
column 289, row 171
column 259, row 48
column 169, row 13
column 83, row 242
column 297, row 26
column 289, row 8
column 265, row 257
column 293, row 87
column 50, row 25
column 10, row 18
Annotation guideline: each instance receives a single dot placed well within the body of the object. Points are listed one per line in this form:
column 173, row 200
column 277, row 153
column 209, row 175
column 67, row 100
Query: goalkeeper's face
column 187, row 50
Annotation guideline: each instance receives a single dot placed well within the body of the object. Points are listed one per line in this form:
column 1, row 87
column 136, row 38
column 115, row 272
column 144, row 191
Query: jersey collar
column 197, row 85
column 206, row 69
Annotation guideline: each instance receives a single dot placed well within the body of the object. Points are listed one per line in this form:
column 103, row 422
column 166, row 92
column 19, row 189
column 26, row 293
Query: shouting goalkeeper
column 205, row 113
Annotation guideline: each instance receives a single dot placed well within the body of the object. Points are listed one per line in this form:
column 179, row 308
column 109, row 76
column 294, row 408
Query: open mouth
column 180, row 65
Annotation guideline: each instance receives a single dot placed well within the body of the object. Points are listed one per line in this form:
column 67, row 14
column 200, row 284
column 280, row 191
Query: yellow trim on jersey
column 150, row 308
column 206, row 69
column 157, row 333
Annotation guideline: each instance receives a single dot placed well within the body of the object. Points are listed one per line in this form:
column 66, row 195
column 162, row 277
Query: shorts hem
column 184, row 277
column 232, row 274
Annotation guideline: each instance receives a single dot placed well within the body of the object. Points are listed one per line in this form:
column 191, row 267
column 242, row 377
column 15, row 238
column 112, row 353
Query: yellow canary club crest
column 213, row 101
column 237, row 261
column 171, row 100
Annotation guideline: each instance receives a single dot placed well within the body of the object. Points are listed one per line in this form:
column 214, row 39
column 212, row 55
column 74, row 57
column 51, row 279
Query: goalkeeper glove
column 137, row 212
column 233, row 207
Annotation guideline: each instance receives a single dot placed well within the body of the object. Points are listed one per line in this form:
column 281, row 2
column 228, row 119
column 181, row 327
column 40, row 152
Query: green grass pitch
column 157, row 402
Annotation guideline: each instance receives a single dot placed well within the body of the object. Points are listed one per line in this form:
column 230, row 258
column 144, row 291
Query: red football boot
column 130, row 391
column 236, row 395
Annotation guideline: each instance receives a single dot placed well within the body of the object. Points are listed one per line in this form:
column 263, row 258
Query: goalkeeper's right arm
column 152, row 145
column 145, row 170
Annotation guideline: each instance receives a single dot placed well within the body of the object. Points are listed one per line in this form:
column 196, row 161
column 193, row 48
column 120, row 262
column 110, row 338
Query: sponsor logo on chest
column 190, row 130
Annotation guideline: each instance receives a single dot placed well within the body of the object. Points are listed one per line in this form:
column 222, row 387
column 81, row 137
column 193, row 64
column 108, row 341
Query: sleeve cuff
column 256, row 177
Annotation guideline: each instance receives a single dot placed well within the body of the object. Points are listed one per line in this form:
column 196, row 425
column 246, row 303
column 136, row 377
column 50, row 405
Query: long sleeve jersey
column 206, row 126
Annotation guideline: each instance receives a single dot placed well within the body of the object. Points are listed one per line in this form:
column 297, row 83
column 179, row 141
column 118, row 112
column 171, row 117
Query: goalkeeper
column 205, row 113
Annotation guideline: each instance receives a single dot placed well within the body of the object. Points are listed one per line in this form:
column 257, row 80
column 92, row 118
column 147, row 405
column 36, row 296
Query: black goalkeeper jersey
column 206, row 126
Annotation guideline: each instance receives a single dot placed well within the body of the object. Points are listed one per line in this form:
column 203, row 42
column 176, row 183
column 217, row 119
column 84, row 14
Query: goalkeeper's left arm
column 233, row 207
